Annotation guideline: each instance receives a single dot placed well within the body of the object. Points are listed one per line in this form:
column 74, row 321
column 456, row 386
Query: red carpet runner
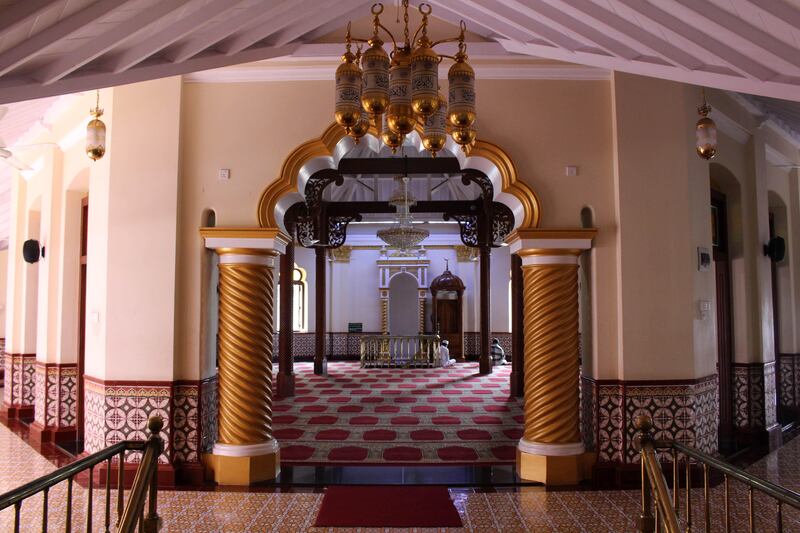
column 399, row 416
column 344, row 506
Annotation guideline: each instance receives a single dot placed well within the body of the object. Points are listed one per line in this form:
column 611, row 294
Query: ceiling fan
column 7, row 152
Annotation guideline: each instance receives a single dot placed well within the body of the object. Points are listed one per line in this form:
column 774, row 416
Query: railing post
column 644, row 426
column 152, row 522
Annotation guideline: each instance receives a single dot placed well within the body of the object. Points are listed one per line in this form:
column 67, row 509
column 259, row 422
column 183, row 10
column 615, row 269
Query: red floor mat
column 344, row 506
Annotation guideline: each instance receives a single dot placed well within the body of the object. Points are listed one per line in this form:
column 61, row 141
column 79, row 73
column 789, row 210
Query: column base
column 554, row 470
column 231, row 464
column 285, row 387
column 16, row 412
column 40, row 434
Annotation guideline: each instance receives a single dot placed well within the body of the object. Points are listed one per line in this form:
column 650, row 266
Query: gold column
column 246, row 312
column 245, row 451
column 551, row 450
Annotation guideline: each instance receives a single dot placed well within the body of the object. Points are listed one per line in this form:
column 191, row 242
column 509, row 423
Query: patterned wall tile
column 2, row 361
column 786, row 387
column 55, row 394
column 20, row 379
column 185, row 434
column 686, row 412
column 68, row 395
column 40, row 392
column 117, row 412
column 209, row 407
column 755, row 395
column 610, row 422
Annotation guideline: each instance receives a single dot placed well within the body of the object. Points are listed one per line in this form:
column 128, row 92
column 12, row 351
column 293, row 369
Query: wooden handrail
column 142, row 483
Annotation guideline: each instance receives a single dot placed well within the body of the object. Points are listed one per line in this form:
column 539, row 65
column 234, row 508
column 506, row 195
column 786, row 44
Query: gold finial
column 155, row 424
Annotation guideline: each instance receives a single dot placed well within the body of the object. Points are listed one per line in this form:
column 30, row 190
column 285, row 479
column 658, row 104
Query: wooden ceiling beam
column 16, row 56
column 112, row 38
column 173, row 33
column 21, row 13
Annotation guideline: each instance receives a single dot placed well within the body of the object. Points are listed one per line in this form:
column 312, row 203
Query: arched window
column 299, row 300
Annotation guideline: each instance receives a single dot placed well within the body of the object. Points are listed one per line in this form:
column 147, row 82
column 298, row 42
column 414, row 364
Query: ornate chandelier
column 402, row 235
column 398, row 93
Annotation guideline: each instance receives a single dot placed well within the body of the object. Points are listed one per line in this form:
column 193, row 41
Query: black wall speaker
column 30, row 251
column 775, row 249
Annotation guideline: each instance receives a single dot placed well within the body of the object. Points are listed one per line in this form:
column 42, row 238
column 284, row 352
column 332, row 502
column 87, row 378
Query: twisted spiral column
column 550, row 308
column 246, row 310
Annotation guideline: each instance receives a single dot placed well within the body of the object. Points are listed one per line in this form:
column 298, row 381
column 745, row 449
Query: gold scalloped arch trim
column 326, row 143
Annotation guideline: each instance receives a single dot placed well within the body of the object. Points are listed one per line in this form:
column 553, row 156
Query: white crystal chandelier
column 402, row 235
column 398, row 93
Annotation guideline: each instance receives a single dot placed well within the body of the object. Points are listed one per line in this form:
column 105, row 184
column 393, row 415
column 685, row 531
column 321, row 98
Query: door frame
column 724, row 325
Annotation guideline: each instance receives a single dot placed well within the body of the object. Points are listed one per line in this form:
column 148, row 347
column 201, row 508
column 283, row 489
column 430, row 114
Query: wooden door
column 776, row 321
column 722, row 269
column 448, row 314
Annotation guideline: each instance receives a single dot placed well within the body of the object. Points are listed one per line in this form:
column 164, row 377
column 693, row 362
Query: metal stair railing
column 130, row 514
column 665, row 514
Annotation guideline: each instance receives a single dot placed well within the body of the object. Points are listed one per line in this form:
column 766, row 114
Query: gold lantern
column 347, row 107
column 96, row 133
column 400, row 117
column 391, row 139
column 461, row 78
column 406, row 89
column 435, row 133
column 424, row 71
column 705, row 132
column 375, row 63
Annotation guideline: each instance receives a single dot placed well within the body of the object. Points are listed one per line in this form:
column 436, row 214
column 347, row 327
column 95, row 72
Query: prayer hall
column 456, row 265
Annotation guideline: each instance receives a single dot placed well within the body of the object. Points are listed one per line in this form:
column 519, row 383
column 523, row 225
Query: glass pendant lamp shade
column 434, row 135
column 705, row 132
column 461, row 78
column 347, row 107
column 96, row 133
column 400, row 117
column 375, row 90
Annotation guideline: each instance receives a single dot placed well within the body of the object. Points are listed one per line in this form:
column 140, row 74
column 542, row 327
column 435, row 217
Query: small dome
column 447, row 281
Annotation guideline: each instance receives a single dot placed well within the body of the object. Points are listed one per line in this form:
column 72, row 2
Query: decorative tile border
column 119, row 410
column 20, row 380
column 686, row 411
column 755, row 396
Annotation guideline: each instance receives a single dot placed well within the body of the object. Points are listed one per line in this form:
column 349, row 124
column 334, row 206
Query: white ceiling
column 50, row 47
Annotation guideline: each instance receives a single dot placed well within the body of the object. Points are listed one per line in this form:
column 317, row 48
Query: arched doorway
column 403, row 308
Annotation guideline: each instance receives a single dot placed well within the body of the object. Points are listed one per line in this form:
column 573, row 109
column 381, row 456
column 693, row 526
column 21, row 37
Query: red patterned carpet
column 399, row 416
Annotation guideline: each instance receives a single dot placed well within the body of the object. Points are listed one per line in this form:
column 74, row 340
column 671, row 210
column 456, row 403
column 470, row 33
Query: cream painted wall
column 662, row 209
column 133, row 334
column 251, row 128
column 3, row 286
